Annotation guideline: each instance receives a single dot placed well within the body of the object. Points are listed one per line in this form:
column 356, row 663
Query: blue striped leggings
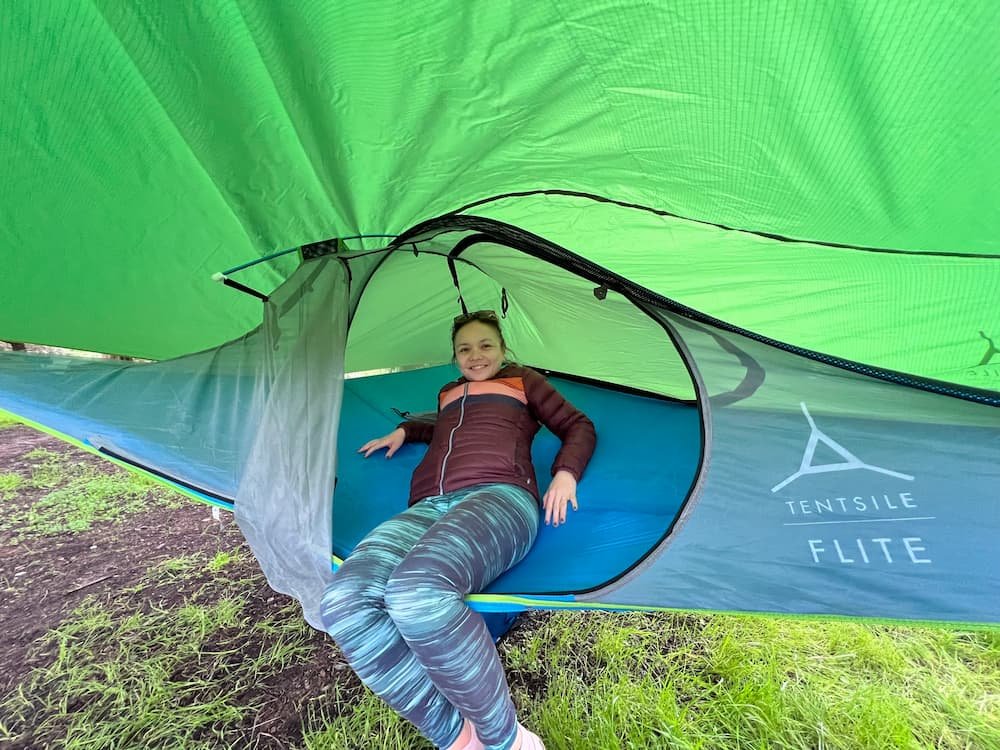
column 396, row 609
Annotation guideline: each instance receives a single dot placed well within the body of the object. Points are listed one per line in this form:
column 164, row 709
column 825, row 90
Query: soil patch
column 45, row 578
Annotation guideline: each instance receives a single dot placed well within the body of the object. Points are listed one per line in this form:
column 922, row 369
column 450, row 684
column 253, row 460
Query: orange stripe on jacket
column 512, row 387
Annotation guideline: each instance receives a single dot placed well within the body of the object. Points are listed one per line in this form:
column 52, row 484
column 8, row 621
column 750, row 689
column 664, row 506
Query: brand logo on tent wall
column 852, row 510
column 978, row 363
column 988, row 366
column 991, row 350
column 850, row 462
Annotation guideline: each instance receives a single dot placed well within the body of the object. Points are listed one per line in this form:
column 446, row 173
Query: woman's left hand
column 561, row 491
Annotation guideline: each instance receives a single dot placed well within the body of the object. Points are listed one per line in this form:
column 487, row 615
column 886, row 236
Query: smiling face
column 479, row 350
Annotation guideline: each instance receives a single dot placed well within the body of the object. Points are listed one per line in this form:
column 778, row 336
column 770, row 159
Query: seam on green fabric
column 705, row 222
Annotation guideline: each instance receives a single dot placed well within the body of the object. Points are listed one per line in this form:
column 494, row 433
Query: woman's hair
column 487, row 317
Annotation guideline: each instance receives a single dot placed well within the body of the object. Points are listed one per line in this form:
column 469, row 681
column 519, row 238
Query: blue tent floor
column 629, row 497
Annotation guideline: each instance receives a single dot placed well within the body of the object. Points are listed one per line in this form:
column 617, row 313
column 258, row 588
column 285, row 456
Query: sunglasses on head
column 477, row 315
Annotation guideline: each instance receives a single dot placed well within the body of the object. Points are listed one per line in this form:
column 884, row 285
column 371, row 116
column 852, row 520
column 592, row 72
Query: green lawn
column 673, row 681
column 180, row 674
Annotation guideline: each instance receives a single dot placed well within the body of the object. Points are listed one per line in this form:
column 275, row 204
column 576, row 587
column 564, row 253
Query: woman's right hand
column 393, row 441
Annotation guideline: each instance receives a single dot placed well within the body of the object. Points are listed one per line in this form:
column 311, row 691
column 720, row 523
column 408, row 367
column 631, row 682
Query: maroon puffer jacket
column 484, row 431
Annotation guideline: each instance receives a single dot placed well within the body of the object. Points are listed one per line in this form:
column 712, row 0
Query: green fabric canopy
column 147, row 146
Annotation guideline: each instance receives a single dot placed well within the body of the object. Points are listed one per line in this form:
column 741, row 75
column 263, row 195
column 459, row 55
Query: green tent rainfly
column 759, row 243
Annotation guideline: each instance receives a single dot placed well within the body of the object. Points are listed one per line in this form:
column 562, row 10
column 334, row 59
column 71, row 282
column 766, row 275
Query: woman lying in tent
column 396, row 606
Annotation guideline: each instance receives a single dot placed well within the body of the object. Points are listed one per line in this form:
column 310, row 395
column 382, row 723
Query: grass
column 8, row 420
column 75, row 495
column 749, row 682
column 706, row 682
column 721, row 682
column 159, row 676
column 181, row 676
column 355, row 722
column 10, row 482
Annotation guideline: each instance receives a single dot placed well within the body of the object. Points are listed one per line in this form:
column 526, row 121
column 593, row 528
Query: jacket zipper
column 451, row 438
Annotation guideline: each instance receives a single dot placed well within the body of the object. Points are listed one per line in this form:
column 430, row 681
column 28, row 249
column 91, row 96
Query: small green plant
column 48, row 468
column 8, row 420
column 9, row 484
column 221, row 560
column 174, row 569
column 36, row 454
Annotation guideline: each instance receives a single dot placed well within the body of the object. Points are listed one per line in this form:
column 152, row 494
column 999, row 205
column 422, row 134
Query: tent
column 758, row 245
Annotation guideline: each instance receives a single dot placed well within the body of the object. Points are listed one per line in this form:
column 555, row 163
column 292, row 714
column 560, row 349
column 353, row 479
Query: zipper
column 451, row 438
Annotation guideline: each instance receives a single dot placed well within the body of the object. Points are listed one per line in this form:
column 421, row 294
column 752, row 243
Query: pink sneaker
column 527, row 740
column 473, row 743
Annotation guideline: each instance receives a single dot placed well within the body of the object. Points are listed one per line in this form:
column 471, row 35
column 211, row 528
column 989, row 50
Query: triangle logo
column 849, row 461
